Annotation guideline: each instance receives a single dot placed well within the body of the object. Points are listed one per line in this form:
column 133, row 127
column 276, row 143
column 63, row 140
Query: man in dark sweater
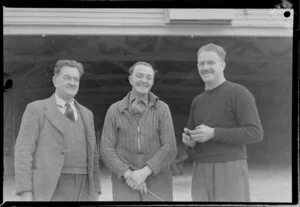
column 222, row 120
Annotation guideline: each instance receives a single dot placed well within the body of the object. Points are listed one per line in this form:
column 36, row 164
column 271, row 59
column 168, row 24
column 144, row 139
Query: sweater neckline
column 210, row 91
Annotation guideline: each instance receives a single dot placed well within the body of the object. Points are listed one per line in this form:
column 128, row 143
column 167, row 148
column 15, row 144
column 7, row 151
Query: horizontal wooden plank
column 57, row 14
column 260, row 12
column 84, row 10
column 270, row 23
column 84, row 21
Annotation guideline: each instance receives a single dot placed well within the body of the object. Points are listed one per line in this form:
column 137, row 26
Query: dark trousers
column 71, row 187
column 161, row 185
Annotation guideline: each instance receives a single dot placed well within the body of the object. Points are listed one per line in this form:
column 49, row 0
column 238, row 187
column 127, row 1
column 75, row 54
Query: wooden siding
column 58, row 21
column 84, row 16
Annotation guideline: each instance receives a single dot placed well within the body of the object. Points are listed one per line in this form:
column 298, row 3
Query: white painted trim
column 245, row 22
column 200, row 14
column 147, row 31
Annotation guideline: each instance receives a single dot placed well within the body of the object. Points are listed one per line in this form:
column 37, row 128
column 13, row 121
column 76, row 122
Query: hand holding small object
column 187, row 139
column 202, row 133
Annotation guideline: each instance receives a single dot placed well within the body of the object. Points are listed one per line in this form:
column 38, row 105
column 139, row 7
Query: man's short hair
column 213, row 48
column 71, row 63
column 141, row 63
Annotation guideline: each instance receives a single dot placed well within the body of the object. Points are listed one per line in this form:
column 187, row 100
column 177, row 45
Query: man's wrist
column 213, row 133
column 127, row 173
column 147, row 170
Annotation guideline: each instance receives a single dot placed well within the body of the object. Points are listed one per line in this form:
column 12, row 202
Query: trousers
column 71, row 187
column 226, row 181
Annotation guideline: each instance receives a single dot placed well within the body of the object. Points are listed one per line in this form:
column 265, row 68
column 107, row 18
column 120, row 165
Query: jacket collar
column 124, row 103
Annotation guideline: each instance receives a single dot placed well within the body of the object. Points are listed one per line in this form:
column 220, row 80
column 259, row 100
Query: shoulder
column 197, row 99
column 84, row 109
column 240, row 93
column 161, row 106
column 238, row 88
column 38, row 104
column 114, row 108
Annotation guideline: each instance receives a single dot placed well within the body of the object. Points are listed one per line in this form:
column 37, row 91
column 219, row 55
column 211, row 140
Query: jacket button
column 63, row 152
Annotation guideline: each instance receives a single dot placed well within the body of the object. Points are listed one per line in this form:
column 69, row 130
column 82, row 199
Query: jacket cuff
column 153, row 169
column 121, row 172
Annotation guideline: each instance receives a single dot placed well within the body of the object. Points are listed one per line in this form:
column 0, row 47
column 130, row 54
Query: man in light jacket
column 138, row 142
column 56, row 156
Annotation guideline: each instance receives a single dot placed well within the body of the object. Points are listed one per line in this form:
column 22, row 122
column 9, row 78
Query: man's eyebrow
column 71, row 76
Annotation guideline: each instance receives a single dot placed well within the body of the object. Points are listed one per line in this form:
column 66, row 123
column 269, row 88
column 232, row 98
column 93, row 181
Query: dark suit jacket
column 40, row 149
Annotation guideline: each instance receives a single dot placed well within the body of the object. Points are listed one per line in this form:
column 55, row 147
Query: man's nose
column 144, row 79
column 72, row 81
column 205, row 66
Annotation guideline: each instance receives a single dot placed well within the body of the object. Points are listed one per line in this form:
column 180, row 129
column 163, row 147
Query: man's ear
column 223, row 65
column 153, row 82
column 54, row 80
column 129, row 79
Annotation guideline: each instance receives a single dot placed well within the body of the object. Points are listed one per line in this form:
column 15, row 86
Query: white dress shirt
column 61, row 105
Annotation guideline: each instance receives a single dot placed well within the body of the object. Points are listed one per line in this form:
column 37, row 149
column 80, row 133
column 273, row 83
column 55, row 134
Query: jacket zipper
column 139, row 144
column 139, row 132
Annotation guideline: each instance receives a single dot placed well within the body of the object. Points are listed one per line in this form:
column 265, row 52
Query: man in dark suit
column 56, row 157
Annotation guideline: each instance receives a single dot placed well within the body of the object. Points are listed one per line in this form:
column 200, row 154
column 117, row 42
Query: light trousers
column 226, row 181
column 71, row 187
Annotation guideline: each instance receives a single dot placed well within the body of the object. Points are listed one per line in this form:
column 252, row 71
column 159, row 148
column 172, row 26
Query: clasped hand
column 136, row 180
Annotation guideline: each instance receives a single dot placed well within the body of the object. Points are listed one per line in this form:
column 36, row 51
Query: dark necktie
column 69, row 112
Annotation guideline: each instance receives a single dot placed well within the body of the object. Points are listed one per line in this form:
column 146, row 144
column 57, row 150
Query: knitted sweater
column 231, row 110
column 126, row 144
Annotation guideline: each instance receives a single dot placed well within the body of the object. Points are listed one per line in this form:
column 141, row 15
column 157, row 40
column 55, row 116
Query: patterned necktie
column 69, row 112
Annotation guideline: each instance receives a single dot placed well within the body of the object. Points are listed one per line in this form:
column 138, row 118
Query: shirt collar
column 133, row 97
column 124, row 103
column 60, row 102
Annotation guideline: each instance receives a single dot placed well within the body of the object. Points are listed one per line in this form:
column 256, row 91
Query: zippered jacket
column 126, row 144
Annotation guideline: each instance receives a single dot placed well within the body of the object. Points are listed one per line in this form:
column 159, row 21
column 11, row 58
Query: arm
column 186, row 138
column 97, row 184
column 168, row 150
column 108, row 144
column 249, row 129
column 25, row 148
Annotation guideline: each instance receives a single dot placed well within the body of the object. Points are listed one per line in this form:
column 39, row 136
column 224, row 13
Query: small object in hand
column 187, row 132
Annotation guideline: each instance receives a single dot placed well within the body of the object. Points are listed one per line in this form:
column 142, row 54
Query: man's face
column 142, row 79
column 210, row 66
column 67, row 82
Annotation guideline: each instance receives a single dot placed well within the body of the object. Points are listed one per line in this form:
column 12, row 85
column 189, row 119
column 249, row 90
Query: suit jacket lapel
column 85, row 118
column 53, row 114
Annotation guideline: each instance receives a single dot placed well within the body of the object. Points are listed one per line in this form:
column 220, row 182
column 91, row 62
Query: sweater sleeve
column 168, row 150
column 107, row 145
column 249, row 129
column 191, row 122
